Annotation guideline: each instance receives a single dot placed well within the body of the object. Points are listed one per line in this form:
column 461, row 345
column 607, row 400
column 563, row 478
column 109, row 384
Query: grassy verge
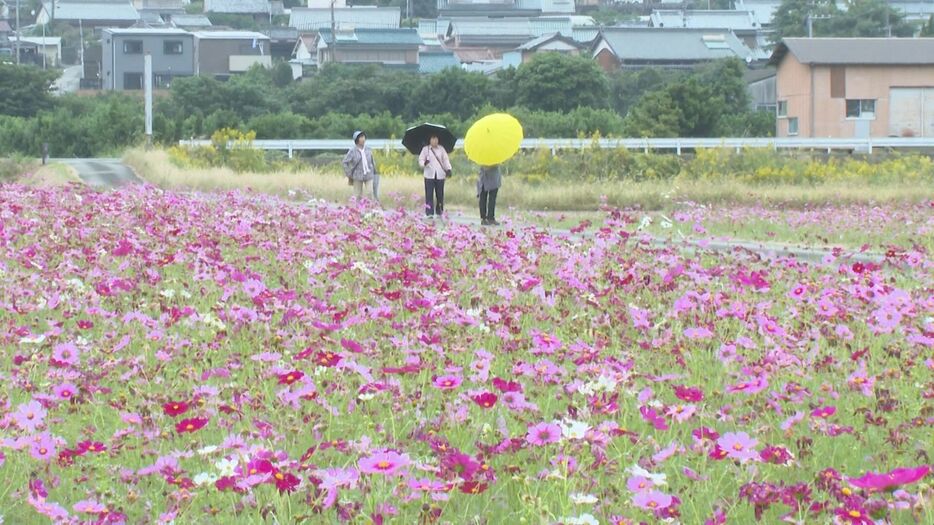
column 156, row 168
column 30, row 173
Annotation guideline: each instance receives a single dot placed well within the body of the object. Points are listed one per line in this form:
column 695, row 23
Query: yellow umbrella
column 494, row 139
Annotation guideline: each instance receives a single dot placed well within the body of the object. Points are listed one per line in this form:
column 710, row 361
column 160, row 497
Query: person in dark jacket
column 488, row 184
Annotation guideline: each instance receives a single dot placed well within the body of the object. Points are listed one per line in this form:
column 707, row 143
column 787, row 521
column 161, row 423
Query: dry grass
column 156, row 168
column 48, row 176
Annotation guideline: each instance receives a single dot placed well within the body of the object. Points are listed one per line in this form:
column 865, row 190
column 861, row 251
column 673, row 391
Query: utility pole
column 810, row 22
column 18, row 30
column 81, row 40
column 333, row 34
column 147, row 93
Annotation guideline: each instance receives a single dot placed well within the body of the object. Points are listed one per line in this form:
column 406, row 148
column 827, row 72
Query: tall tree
column 558, row 82
column 454, row 90
column 858, row 18
column 24, row 90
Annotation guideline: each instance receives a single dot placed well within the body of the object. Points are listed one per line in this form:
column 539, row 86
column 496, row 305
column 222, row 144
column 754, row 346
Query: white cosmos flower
column 226, row 467
column 167, row 293
column 36, row 340
column 583, row 519
column 583, row 499
column 571, row 429
column 204, row 479
column 210, row 449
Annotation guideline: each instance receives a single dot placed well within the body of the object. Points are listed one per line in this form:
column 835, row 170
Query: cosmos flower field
column 236, row 358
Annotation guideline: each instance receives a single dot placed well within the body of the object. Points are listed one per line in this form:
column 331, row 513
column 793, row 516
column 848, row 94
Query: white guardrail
column 866, row 145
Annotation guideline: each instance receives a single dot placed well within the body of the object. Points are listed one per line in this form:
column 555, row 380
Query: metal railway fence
column 675, row 145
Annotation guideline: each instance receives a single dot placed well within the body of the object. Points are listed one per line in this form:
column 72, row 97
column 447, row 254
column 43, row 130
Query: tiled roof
column 714, row 19
column 191, row 21
column 91, row 11
column 864, row 51
column 435, row 61
column 306, row 19
column 238, row 6
column 639, row 44
column 366, row 36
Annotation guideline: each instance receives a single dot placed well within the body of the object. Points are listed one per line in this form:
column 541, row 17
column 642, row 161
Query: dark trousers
column 488, row 204
column 434, row 196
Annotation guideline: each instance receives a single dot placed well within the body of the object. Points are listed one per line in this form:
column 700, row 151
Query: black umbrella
column 417, row 137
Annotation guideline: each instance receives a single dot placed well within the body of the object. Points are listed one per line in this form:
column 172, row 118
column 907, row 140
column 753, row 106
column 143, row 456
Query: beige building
column 855, row 87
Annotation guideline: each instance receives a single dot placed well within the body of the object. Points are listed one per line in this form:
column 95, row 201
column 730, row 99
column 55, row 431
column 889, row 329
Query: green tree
column 24, row 90
column 701, row 107
column 559, row 82
column 627, row 87
column 655, row 115
column 726, row 78
column 453, row 90
column 861, row 18
column 282, row 74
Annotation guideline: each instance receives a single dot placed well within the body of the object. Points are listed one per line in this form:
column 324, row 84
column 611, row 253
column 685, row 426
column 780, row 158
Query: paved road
column 69, row 82
column 102, row 173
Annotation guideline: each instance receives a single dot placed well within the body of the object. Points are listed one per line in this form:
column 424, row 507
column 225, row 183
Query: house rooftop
column 243, row 6
column 857, row 51
column 312, row 19
column 111, row 10
column 650, row 44
column 145, row 31
column 229, row 35
column 367, row 36
column 701, row 19
column 190, row 20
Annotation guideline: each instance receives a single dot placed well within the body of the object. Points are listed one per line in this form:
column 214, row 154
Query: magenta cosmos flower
column 894, row 478
column 543, row 433
column 387, row 463
column 738, row 445
column 652, row 500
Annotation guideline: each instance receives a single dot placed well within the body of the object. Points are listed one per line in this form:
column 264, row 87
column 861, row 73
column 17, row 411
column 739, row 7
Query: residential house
column 315, row 19
column 123, row 52
column 45, row 51
column 282, row 41
column 389, row 47
column 224, row 53
column 485, row 39
column 157, row 13
column 855, row 87
column 259, row 9
column 553, row 43
column 743, row 24
column 89, row 13
column 305, row 51
column 504, row 8
column 677, row 48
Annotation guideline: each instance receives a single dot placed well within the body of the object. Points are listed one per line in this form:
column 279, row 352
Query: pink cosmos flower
column 639, row 484
column 652, row 500
column 388, row 463
column 542, row 434
column 66, row 354
column 680, row 413
column 544, row 343
column 739, row 446
column 89, row 506
column 43, row 448
column 894, row 478
column 698, row 333
column 448, row 382
column 65, row 391
column 333, row 479
column 886, row 320
column 29, row 416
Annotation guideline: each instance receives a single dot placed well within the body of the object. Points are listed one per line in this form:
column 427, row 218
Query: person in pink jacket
column 437, row 167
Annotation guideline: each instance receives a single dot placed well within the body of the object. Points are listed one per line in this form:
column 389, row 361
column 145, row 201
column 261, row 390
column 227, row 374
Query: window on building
column 133, row 47
column 860, row 108
column 132, row 81
column 782, row 108
column 172, row 47
column 793, row 126
column 163, row 81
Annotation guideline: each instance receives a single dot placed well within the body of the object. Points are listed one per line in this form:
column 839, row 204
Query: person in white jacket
column 436, row 167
